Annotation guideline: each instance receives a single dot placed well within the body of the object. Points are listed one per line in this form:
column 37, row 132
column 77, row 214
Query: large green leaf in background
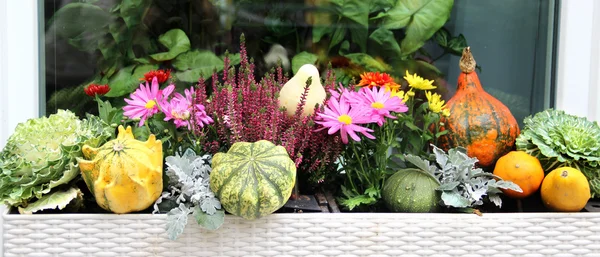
column 195, row 64
column 128, row 79
column 133, row 11
column 74, row 19
column 176, row 41
column 301, row 59
column 420, row 18
column 356, row 11
column 385, row 43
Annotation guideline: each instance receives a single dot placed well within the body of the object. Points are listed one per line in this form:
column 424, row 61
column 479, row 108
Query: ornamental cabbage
column 40, row 155
column 560, row 139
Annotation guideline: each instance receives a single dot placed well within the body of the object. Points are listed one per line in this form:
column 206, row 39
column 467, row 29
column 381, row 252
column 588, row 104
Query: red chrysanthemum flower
column 376, row 79
column 161, row 76
column 95, row 89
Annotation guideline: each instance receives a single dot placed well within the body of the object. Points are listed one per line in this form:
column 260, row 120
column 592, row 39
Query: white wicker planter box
column 316, row 234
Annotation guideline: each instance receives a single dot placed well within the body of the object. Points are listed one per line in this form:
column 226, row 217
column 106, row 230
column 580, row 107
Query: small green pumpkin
column 253, row 179
column 411, row 190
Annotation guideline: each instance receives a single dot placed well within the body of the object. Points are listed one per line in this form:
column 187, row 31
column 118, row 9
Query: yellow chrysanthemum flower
column 436, row 104
column 417, row 82
column 446, row 112
column 397, row 92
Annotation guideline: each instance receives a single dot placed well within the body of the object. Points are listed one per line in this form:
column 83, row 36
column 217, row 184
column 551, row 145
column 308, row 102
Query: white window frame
column 578, row 66
column 19, row 64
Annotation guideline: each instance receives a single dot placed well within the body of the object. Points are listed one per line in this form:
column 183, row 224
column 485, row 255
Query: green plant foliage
column 176, row 41
column 421, row 18
column 301, row 59
column 560, row 139
column 75, row 19
column 127, row 79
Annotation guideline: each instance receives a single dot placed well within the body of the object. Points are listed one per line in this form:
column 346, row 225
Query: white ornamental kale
column 188, row 193
column 462, row 185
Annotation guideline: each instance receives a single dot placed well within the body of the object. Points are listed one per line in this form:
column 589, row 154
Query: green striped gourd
column 253, row 179
column 411, row 190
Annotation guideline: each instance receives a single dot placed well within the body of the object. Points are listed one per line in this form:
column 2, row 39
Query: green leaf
column 108, row 113
column 74, row 19
column 338, row 36
column 56, row 200
column 380, row 5
column 368, row 62
column 319, row 31
column 301, row 59
column 133, row 11
column 234, row 59
column 355, row 12
column 422, row 18
column 457, row 44
column 119, row 31
column 385, row 42
column 356, row 201
column 176, row 41
column 121, row 83
column 210, row 222
column 197, row 63
column 373, row 192
column 197, row 59
column 141, row 133
column 441, row 37
column 128, row 79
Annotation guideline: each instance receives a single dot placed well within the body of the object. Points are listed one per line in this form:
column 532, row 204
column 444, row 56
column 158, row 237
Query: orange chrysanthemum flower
column 161, row 76
column 376, row 79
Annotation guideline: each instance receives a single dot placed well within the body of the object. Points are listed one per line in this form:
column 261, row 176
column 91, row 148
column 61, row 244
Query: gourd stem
column 467, row 62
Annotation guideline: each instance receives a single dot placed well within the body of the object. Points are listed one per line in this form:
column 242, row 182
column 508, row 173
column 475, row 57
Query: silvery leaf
column 176, row 221
column 210, row 205
column 507, row 185
column 448, row 186
column 495, row 199
column 440, row 156
column 454, row 199
column 209, row 221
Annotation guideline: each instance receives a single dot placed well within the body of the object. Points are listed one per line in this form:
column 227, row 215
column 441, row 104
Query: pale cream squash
column 290, row 93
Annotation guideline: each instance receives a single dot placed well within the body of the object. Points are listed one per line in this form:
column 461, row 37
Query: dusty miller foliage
column 462, row 184
column 188, row 193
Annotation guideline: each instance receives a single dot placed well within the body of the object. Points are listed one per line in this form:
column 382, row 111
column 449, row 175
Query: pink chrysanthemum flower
column 379, row 102
column 181, row 108
column 339, row 115
column 145, row 101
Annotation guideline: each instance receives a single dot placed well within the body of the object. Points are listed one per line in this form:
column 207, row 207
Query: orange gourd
column 478, row 121
column 521, row 169
column 565, row 189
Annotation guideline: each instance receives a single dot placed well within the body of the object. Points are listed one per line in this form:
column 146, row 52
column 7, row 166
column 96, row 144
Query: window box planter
column 308, row 234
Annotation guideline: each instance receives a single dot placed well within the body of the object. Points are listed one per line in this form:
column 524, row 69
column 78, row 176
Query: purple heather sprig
column 245, row 109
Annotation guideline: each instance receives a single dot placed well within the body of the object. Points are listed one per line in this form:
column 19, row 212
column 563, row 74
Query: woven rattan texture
column 345, row 234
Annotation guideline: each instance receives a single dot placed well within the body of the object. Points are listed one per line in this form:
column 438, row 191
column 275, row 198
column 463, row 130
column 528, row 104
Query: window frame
column 578, row 63
column 21, row 62
column 20, row 91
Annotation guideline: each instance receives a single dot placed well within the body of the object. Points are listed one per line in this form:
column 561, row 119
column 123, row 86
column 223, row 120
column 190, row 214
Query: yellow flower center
column 150, row 104
column 346, row 119
column 185, row 115
column 377, row 105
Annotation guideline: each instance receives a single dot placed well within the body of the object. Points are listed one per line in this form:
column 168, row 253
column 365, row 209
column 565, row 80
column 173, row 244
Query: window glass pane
column 115, row 42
